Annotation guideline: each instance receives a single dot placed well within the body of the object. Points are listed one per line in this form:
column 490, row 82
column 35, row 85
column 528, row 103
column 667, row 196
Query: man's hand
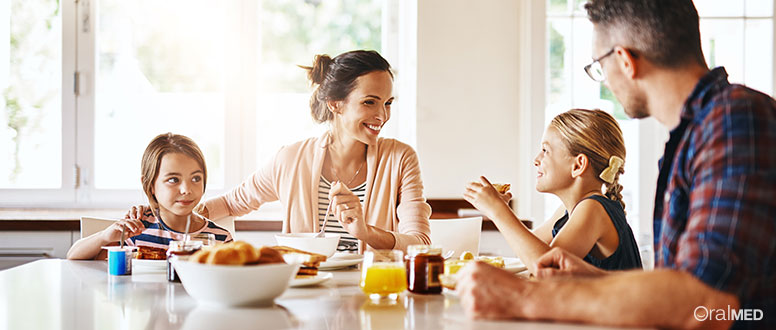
column 488, row 292
column 559, row 262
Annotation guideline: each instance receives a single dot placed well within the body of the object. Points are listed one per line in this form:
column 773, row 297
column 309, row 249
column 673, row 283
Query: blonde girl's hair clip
column 614, row 166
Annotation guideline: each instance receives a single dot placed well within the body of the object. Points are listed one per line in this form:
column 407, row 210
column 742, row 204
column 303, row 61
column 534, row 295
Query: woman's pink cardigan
column 394, row 190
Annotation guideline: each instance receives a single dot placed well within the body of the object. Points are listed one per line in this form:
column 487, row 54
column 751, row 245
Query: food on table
column 452, row 266
column 309, row 260
column 448, row 281
column 237, row 253
column 151, row 253
column 493, row 261
column 502, row 188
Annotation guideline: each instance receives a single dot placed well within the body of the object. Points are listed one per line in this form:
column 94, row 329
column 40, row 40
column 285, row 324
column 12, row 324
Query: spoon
column 186, row 232
column 448, row 254
column 321, row 233
column 121, row 240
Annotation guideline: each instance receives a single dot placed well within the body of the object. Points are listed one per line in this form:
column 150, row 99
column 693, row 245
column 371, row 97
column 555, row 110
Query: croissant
column 237, row 253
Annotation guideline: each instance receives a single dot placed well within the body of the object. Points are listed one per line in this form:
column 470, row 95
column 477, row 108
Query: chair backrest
column 457, row 235
column 91, row 225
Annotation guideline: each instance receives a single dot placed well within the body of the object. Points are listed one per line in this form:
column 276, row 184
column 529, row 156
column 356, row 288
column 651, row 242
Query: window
column 294, row 32
column 734, row 34
column 30, row 78
column 88, row 85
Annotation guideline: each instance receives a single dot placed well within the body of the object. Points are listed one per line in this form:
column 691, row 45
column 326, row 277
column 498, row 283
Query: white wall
column 467, row 93
column 471, row 118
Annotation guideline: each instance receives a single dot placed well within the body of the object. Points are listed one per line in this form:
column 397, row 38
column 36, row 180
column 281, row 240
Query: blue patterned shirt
column 715, row 205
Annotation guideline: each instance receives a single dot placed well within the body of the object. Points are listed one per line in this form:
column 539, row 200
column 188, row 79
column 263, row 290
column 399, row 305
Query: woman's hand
column 347, row 209
column 202, row 210
column 137, row 211
column 485, row 197
column 133, row 227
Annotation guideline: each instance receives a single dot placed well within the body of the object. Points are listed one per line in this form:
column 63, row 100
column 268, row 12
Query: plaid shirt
column 715, row 205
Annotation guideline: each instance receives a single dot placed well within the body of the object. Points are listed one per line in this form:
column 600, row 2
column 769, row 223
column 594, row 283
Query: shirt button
column 667, row 197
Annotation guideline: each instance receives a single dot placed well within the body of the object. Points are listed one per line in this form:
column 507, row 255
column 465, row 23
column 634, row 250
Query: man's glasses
column 594, row 70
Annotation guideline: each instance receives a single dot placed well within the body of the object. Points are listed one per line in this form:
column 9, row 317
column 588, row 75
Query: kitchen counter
column 63, row 294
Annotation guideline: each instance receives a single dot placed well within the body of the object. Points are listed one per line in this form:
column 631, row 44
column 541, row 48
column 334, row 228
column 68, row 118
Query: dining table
column 68, row 294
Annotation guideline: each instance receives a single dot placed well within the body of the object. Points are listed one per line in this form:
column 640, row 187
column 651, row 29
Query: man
column 714, row 225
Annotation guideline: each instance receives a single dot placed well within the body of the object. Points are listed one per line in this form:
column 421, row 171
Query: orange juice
column 383, row 279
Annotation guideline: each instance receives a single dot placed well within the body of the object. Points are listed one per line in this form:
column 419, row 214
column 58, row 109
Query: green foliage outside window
column 292, row 32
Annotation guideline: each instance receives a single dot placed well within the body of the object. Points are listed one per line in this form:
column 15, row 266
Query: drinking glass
column 383, row 275
column 207, row 239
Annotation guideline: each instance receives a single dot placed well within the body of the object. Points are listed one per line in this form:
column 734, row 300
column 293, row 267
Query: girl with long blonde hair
column 581, row 159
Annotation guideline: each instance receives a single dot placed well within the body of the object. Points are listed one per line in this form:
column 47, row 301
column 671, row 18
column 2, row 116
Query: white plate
column 341, row 260
column 149, row 266
column 320, row 278
column 514, row 265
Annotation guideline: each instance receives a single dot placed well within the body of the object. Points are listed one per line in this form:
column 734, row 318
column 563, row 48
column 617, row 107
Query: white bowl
column 255, row 285
column 326, row 245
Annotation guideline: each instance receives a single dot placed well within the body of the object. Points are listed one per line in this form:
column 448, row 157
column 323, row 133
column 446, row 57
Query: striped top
column 157, row 234
column 347, row 241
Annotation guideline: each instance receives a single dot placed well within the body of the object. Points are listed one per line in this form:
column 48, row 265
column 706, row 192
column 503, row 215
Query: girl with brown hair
column 582, row 152
column 174, row 176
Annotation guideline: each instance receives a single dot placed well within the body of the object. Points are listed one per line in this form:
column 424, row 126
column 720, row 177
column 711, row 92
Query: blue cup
column 119, row 261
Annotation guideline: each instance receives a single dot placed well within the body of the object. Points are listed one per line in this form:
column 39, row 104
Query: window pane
column 320, row 27
column 161, row 67
column 719, row 8
column 758, row 60
column 560, row 50
column 722, row 43
column 557, row 7
column 31, row 78
column 759, row 8
column 579, row 7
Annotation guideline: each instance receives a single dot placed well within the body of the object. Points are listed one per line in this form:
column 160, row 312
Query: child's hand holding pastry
column 484, row 196
column 503, row 189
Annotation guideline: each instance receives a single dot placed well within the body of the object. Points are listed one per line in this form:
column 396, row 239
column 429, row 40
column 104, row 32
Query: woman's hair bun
column 317, row 73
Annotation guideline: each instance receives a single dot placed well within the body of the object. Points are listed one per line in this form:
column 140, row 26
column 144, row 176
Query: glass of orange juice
column 383, row 275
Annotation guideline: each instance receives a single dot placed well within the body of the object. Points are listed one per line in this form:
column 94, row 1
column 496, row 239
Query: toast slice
column 309, row 260
column 151, row 253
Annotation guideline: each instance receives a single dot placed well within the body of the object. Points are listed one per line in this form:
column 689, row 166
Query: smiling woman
column 373, row 183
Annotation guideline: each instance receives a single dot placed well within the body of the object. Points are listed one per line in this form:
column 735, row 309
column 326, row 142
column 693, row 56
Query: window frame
column 79, row 55
column 65, row 195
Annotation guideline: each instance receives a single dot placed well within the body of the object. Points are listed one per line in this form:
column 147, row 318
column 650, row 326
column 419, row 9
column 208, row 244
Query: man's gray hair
column 665, row 32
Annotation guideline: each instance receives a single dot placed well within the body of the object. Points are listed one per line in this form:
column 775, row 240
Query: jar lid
column 416, row 249
column 185, row 245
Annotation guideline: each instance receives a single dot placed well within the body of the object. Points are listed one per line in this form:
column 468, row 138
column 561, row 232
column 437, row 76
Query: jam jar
column 179, row 250
column 424, row 264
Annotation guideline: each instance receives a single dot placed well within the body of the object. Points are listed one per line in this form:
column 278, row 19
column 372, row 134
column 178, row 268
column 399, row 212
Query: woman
column 373, row 183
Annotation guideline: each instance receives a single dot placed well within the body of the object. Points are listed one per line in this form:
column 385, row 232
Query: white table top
column 63, row 294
